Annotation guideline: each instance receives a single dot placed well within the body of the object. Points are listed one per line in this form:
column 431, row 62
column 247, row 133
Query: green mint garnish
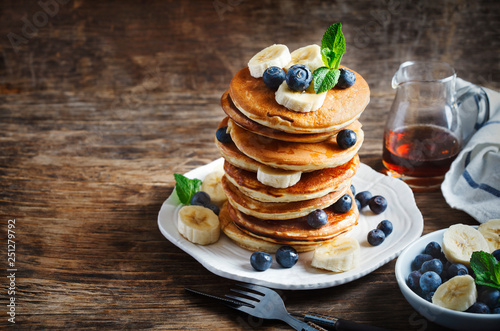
column 186, row 188
column 332, row 50
column 486, row 268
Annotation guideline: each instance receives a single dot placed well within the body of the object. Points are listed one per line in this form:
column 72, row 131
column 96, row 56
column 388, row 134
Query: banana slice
column 212, row 186
column 302, row 102
column 491, row 232
column 309, row 56
column 277, row 178
column 272, row 56
column 198, row 224
column 459, row 241
column 339, row 255
column 459, row 293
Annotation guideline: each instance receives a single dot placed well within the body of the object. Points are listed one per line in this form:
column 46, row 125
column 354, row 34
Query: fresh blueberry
column 317, row 218
column 428, row 296
column 413, row 280
column 432, row 265
column 434, row 249
column 490, row 296
column 353, row 190
column 385, row 226
column 429, row 281
column 222, row 135
column 496, row 254
column 213, row 208
column 343, row 205
column 496, row 310
column 479, row 308
column 287, row 256
column 298, row 77
column 346, row 138
column 378, row 204
column 363, row 198
column 273, row 77
column 347, row 79
column 358, row 204
column 261, row 261
column 200, row 198
column 457, row 269
column 417, row 262
column 376, row 237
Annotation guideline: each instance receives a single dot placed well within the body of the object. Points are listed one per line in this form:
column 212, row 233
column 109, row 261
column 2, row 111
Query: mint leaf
column 486, row 269
column 325, row 79
column 186, row 188
column 333, row 46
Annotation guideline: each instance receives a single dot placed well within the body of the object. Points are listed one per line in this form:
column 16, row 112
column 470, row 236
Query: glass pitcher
column 424, row 132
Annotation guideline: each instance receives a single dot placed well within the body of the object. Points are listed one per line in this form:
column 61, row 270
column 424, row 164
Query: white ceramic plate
column 227, row 259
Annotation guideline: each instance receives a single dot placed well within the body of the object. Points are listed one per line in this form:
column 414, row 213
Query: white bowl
column 446, row 317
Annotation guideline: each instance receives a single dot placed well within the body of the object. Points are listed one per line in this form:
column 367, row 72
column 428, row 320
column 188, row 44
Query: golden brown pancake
column 311, row 185
column 294, row 156
column 257, row 102
column 279, row 210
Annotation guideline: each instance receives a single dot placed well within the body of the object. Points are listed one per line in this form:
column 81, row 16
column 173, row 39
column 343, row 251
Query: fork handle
column 333, row 323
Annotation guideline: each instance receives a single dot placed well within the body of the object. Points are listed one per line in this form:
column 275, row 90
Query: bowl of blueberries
column 422, row 268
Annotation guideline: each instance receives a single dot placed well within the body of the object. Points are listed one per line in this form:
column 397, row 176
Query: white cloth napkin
column 473, row 182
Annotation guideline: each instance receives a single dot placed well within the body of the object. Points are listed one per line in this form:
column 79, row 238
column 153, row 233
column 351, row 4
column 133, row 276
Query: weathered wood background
column 102, row 101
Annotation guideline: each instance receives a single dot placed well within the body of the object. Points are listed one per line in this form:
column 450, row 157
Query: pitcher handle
column 475, row 114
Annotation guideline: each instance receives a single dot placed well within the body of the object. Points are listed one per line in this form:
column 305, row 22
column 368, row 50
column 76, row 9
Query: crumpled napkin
column 473, row 182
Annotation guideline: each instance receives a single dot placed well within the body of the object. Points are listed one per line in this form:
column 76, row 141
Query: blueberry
column 347, row 79
column 479, row 308
column 363, row 198
column 287, row 256
column 457, row 269
column 298, row 77
column 358, row 204
column 346, row 138
column 429, row 281
column 428, row 296
column 317, row 218
column 222, row 135
column 213, row 208
column 200, row 198
column 378, row 204
column 385, row 226
column 353, row 190
column 432, row 265
column 413, row 280
column 496, row 254
column 434, row 249
column 376, row 237
column 273, row 77
column 496, row 310
column 343, row 205
column 417, row 262
column 490, row 296
column 261, row 261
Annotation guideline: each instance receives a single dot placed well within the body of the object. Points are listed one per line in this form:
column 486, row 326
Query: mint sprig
column 332, row 50
column 486, row 268
column 186, row 188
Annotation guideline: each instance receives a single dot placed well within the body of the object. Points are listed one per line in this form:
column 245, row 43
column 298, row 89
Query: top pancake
column 257, row 102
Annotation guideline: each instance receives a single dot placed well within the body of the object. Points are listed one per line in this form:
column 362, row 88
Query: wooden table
column 101, row 102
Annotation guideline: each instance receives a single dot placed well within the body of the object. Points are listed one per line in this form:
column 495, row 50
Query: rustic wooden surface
column 102, row 101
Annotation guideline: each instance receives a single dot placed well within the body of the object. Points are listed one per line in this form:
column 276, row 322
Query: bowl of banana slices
column 436, row 276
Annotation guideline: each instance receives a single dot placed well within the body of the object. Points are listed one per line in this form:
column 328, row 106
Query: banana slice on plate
column 198, row 224
column 212, row 186
column 302, row 102
column 459, row 293
column 491, row 232
column 272, row 56
column 460, row 241
column 339, row 255
column 277, row 178
column 310, row 56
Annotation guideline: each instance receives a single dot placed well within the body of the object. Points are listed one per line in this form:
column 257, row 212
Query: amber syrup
column 420, row 150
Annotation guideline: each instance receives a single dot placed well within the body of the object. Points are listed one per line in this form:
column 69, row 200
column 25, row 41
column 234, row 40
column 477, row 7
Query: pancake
column 311, row 185
column 279, row 210
column 246, row 123
column 295, row 230
column 294, row 156
column 257, row 102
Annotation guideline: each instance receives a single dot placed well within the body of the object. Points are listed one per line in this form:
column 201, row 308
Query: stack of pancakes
column 266, row 134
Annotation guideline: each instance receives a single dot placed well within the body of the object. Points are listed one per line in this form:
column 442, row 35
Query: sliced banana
column 212, row 186
column 302, row 102
column 272, row 56
column 460, row 241
column 309, row 56
column 491, row 232
column 339, row 255
column 459, row 293
column 198, row 224
column 277, row 178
